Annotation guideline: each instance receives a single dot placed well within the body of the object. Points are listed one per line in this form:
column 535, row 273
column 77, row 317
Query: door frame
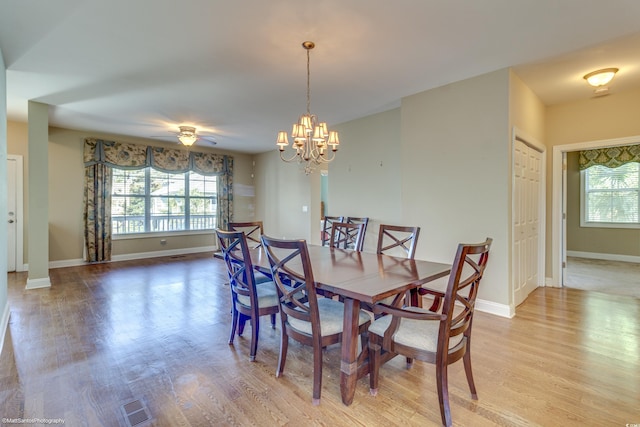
column 19, row 180
column 519, row 135
column 559, row 197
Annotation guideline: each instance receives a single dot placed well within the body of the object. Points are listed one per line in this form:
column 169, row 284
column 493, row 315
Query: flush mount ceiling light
column 311, row 138
column 187, row 135
column 600, row 77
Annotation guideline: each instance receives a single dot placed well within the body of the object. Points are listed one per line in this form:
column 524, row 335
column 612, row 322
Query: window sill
column 632, row 226
column 161, row 234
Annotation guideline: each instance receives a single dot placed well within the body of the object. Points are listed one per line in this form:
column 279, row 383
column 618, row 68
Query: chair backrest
column 293, row 276
column 253, row 231
column 394, row 237
column 362, row 220
column 460, row 297
column 327, row 223
column 235, row 252
column 347, row 236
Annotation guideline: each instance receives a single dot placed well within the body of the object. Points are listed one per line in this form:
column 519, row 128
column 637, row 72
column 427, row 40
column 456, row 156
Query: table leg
column 349, row 363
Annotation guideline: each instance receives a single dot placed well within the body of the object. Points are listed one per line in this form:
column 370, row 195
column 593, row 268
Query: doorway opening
column 567, row 268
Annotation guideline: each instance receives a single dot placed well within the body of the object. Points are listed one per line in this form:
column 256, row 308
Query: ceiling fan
column 188, row 136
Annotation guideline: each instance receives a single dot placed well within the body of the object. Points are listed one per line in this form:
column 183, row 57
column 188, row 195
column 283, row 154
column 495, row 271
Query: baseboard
column 66, row 263
column 491, row 307
column 606, row 257
column 156, row 254
column 127, row 257
column 549, row 283
column 44, row 282
column 4, row 325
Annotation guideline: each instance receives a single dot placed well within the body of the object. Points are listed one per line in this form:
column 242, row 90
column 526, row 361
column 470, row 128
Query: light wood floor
column 155, row 331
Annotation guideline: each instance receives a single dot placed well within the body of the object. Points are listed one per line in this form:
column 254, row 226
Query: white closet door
column 527, row 191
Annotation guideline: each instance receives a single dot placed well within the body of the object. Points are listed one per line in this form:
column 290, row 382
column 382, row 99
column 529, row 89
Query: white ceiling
column 237, row 69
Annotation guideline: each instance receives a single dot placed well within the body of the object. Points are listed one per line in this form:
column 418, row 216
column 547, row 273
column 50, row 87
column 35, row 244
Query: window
column 611, row 196
column 148, row 201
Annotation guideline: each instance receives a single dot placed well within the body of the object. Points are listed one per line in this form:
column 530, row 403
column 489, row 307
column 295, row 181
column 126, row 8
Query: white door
column 527, row 191
column 563, row 275
column 11, row 210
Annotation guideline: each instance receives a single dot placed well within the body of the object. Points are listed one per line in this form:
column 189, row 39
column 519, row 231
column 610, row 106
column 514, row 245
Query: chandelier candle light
column 311, row 138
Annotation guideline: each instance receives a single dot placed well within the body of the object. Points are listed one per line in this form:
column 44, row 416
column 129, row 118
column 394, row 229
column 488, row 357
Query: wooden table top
column 364, row 276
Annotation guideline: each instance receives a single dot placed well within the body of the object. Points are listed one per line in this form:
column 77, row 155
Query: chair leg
column 273, row 321
column 255, row 329
column 443, row 393
column 374, row 364
column 234, row 323
column 242, row 320
column 317, row 373
column 284, row 345
column 467, row 369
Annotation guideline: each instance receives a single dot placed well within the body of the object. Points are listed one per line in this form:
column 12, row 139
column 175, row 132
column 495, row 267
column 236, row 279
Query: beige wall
column 455, row 172
column 4, row 304
column 526, row 110
column 608, row 117
column 282, row 190
column 66, row 175
column 365, row 180
column 610, row 241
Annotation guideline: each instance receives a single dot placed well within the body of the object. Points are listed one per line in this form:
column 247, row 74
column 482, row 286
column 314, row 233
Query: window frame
column 594, row 224
column 147, row 214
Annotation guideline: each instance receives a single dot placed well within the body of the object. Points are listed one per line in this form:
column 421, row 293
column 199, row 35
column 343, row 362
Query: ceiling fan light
column 187, row 135
column 600, row 77
column 187, row 140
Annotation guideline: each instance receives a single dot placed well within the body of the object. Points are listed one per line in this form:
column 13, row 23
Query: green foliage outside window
column 612, row 194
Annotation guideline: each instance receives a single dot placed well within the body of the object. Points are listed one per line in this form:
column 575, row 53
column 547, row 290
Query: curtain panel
column 611, row 157
column 97, row 213
column 101, row 155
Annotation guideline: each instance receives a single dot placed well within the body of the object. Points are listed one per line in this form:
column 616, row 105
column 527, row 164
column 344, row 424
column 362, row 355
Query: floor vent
column 135, row 413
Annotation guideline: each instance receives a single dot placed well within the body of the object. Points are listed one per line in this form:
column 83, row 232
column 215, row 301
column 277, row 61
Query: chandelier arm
column 323, row 159
column 294, row 157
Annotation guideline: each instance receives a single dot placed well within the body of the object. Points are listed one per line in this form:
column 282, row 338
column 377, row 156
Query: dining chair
column 252, row 229
column 345, row 235
column 304, row 317
column 327, row 222
column 359, row 220
column 441, row 337
column 398, row 240
column 249, row 300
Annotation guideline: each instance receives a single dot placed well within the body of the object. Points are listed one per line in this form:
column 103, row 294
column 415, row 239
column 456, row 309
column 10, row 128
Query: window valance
column 133, row 156
column 611, row 157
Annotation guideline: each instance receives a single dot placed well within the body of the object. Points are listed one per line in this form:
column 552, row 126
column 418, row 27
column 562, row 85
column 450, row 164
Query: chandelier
column 311, row 138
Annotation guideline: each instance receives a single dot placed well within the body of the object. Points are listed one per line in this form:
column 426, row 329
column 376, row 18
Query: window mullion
column 187, row 202
column 147, row 199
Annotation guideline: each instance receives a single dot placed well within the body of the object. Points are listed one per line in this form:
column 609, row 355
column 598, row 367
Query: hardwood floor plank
column 156, row 330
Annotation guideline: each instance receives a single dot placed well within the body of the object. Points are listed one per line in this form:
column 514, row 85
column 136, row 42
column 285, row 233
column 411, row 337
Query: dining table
column 360, row 276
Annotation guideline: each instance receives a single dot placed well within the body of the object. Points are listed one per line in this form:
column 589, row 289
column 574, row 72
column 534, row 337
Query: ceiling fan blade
column 211, row 140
